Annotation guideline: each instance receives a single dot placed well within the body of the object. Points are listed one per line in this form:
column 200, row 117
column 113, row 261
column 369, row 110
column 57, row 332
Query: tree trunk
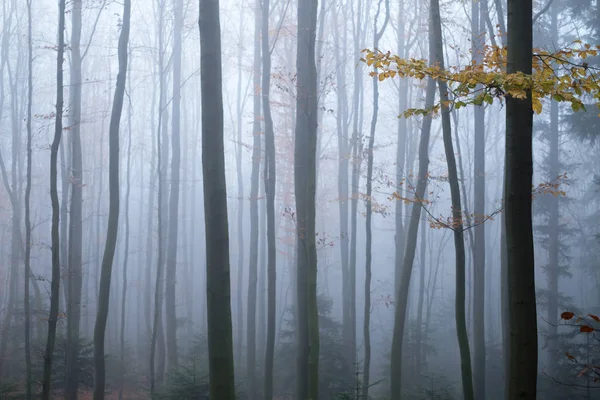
column 270, row 182
column 55, row 283
column 254, row 223
column 127, row 228
column 218, row 289
column 74, row 265
column 553, row 224
column 113, row 212
column 369, row 206
column 307, row 324
column 402, row 289
column 171, row 273
column 26, row 299
column 523, row 345
column 479, row 351
column 457, row 213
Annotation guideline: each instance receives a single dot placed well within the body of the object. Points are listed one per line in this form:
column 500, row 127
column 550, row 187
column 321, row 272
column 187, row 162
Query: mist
column 299, row 199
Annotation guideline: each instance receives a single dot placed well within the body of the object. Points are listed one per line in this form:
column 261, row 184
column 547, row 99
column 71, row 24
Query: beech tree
column 218, row 289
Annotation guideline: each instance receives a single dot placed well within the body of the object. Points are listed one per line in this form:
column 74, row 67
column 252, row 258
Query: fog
column 346, row 250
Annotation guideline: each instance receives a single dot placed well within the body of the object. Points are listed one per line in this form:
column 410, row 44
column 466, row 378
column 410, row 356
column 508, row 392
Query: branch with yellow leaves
column 563, row 76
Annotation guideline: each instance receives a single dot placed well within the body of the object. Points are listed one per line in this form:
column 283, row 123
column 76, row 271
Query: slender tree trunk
column 218, row 289
column 171, row 273
column 399, row 238
column 254, row 223
column 457, row 215
column 26, row 299
column 113, row 213
column 369, row 206
column 126, row 246
column 553, row 223
column 240, row 219
column 411, row 236
column 343, row 165
column 523, row 344
column 479, row 353
column 270, row 185
column 55, row 283
column 74, row 265
column 307, row 324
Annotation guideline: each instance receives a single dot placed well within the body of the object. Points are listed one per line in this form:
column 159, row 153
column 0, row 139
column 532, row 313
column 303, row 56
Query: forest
column 300, row 199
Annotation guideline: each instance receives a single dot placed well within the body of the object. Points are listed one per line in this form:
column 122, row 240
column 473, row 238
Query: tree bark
column 113, row 213
column 218, row 289
column 307, row 324
column 523, row 345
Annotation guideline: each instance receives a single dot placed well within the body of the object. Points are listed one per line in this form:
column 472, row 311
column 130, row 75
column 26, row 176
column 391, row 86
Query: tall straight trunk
column 356, row 160
column 479, row 351
column 523, row 343
column 270, row 184
column 218, row 289
column 127, row 228
column 457, row 213
column 240, row 213
column 254, row 223
column 307, row 324
column 113, row 211
column 399, row 235
column 402, row 289
column 74, row 265
column 55, row 283
column 369, row 206
column 553, row 223
column 26, row 299
column 171, row 272
column 157, row 345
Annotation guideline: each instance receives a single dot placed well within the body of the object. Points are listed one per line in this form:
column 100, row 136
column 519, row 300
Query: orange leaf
column 569, row 356
column 567, row 315
column 586, row 329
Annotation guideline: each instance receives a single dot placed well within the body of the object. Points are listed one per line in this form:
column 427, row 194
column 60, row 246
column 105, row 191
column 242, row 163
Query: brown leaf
column 567, row 315
column 594, row 317
column 586, row 329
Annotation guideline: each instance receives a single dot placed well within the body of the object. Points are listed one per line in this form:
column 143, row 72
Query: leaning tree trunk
column 218, row 286
column 369, row 213
column 411, row 236
column 74, row 265
column 523, row 343
column 113, row 211
column 55, row 283
column 307, row 324
column 457, row 213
